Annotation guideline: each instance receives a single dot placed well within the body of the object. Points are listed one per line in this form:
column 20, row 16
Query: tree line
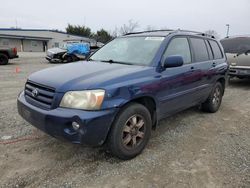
column 104, row 36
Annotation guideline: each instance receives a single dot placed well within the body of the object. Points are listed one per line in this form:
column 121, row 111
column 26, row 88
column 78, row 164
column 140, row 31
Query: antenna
column 228, row 27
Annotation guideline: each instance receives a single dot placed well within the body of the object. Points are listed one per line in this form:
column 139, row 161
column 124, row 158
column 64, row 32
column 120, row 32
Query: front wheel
column 212, row 104
column 68, row 59
column 130, row 132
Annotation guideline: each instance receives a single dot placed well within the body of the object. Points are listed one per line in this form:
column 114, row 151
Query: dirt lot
column 190, row 149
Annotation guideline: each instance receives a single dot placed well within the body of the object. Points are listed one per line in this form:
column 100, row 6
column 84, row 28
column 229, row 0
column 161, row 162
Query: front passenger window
column 179, row 46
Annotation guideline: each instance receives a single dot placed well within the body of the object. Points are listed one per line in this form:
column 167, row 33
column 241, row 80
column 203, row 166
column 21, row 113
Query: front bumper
column 94, row 125
column 51, row 59
column 242, row 72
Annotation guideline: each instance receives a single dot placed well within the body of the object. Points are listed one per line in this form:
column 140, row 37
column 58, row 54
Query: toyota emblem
column 34, row 92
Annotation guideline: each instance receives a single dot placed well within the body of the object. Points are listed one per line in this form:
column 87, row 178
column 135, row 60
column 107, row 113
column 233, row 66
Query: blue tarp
column 78, row 48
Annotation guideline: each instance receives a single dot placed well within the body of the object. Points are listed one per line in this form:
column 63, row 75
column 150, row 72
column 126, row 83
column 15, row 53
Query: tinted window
column 236, row 45
column 216, row 50
column 179, row 46
column 200, row 49
column 209, row 50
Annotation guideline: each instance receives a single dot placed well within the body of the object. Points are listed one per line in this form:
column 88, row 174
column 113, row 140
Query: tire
column 240, row 77
column 75, row 58
column 130, row 132
column 69, row 59
column 4, row 60
column 212, row 104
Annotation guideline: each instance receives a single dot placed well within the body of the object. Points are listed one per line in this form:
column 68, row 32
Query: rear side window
column 210, row 53
column 216, row 50
column 179, row 46
column 200, row 50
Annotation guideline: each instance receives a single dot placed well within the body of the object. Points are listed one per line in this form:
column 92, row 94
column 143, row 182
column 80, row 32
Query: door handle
column 214, row 64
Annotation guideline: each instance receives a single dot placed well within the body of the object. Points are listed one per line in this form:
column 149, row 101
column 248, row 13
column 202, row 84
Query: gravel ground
column 189, row 149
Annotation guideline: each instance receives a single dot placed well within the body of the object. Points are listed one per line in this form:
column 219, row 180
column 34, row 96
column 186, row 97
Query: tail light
column 14, row 50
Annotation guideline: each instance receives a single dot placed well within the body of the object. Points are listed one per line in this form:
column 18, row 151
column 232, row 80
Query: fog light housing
column 75, row 125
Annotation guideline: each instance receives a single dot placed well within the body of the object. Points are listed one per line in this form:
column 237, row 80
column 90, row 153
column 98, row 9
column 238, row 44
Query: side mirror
column 173, row 61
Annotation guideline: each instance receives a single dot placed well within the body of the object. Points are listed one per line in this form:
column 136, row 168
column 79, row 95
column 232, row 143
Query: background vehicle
column 125, row 88
column 69, row 52
column 6, row 54
column 237, row 50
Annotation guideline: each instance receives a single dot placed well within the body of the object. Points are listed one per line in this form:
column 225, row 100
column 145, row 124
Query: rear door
column 202, row 62
column 219, row 64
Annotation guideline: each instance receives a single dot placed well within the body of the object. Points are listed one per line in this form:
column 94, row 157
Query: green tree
column 79, row 30
column 103, row 36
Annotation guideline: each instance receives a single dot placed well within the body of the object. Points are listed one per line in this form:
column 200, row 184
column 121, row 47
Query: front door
column 177, row 86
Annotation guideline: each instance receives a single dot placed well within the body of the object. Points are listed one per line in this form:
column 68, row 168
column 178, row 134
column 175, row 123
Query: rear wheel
column 130, row 132
column 3, row 59
column 212, row 104
column 75, row 58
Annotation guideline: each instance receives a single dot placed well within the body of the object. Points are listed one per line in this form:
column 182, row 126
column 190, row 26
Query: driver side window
column 179, row 46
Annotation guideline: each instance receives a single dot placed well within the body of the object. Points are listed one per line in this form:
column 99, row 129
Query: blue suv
column 120, row 93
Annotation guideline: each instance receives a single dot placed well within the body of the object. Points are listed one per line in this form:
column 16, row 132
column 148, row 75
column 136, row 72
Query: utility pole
column 228, row 26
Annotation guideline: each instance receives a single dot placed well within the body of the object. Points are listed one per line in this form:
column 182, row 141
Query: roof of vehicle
column 24, row 37
column 163, row 33
column 236, row 37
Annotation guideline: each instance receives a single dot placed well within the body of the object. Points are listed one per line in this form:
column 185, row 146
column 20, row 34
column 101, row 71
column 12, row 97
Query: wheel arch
column 149, row 102
column 222, row 80
column 4, row 53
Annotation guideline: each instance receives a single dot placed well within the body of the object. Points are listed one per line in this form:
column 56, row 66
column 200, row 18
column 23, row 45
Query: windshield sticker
column 155, row 38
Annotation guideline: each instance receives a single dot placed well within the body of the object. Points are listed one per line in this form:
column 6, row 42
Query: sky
column 198, row 15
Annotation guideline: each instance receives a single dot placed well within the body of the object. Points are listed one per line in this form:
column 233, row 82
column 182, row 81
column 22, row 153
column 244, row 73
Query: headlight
column 85, row 100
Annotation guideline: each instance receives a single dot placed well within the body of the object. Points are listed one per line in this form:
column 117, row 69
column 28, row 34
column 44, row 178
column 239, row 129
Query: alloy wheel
column 133, row 131
column 216, row 97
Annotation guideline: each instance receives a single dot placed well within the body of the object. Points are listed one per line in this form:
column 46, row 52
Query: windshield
column 129, row 50
column 64, row 46
column 238, row 45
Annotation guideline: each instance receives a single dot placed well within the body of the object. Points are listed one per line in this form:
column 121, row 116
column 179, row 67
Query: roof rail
column 173, row 31
column 139, row 32
column 195, row 32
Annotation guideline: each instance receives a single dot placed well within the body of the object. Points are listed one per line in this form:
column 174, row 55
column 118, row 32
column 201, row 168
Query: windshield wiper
column 112, row 61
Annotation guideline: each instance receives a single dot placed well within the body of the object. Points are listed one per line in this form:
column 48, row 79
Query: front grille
column 39, row 95
column 232, row 71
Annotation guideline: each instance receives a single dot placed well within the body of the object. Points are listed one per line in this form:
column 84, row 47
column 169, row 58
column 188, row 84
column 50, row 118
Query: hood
column 87, row 75
column 56, row 50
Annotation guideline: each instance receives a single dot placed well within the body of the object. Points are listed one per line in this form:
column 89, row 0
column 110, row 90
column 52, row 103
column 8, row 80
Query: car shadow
column 173, row 122
column 61, row 150
column 239, row 83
